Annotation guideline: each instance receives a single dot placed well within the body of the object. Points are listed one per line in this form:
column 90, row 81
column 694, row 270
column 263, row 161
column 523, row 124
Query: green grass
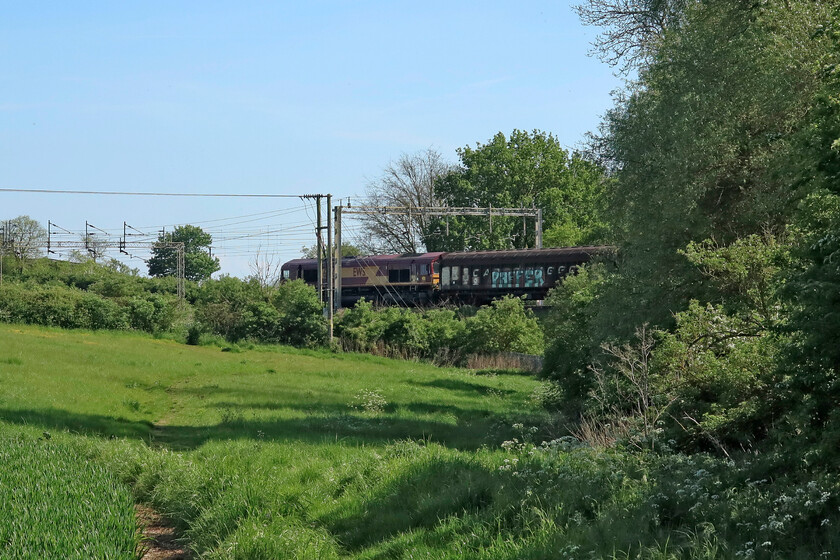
column 182, row 396
column 56, row 504
column 274, row 453
column 266, row 436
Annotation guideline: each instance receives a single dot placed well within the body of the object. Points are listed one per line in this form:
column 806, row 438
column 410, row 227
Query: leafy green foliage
column 721, row 378
column 709, row 383
column 22, row 237
column 301, row 319
column 198, row 264
column 504, row 326
column 87, row 295
column 722, row 358
column 152, row 313
column 569, row 336
column 347, row 250
column 724, row 162
column 527, row 169
column 61, row 307
column 439, row 334
column 812, row 361
column 364, row 328
column 102, row 296
column 238, row 310
column 701, row 147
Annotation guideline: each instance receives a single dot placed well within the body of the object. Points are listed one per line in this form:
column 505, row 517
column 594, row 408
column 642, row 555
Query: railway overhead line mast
column 335, row 256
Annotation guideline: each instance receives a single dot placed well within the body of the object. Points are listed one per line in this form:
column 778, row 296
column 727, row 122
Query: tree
column 631, row 28
column 265, row 269
column 722, row 153
column 23, row 237
column 524, row 170
column 812, row 359
column 700, row 147
column 407, row 182
column 198, row 264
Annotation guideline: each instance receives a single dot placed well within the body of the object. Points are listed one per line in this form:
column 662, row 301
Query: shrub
column 570, row 346
column 59, row 307
column 360, row 327
column 301, row 321
column 440, row 335
column 443, row 333
column 96, row 312
column 404, row 329
column 261, row 321
column 504, row 326
column 221, row 305
column 151, row 312
column 194, row 332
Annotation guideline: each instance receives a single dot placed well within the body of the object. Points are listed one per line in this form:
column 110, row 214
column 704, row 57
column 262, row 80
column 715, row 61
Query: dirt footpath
column 159, row 539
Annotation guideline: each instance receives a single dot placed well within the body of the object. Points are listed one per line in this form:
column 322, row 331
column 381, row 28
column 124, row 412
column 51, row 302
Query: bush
column 59, row 307
column 444, row 332
column 504, row 326
column 570, row 344
column 151, row 312
column 96, row 312
column 238, row 310
column 406, row 330
column 723, row 372
column 194, row 334
column 440, row 334
column 360, row 327
column 302, row 321
column 221, row 305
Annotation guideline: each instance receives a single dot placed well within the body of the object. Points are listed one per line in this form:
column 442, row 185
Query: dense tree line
column 718, row 329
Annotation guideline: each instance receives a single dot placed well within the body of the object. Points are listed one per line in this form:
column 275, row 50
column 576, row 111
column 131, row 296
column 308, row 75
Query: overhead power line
column 118, row 193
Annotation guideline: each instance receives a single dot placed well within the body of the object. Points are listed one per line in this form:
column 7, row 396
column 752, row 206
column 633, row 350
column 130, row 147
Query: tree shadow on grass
column 463, row 387
column 419, row 498
column 339, row 409
column 96, row 424
column 354, row 429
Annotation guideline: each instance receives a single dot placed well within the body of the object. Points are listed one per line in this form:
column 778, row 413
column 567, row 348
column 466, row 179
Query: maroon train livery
column 469, row 277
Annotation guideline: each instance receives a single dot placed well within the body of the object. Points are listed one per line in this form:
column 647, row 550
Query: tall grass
column 56, row 504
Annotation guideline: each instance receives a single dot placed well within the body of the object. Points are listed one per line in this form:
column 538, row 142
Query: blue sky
column 269, row 97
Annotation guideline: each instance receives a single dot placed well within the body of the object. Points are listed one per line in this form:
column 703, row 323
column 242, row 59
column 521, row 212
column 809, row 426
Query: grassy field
column 274, row 453
column 302, row 437
column 180, row 396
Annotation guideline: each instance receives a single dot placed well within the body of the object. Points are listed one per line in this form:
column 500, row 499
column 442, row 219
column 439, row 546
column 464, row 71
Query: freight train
column 475, row 277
